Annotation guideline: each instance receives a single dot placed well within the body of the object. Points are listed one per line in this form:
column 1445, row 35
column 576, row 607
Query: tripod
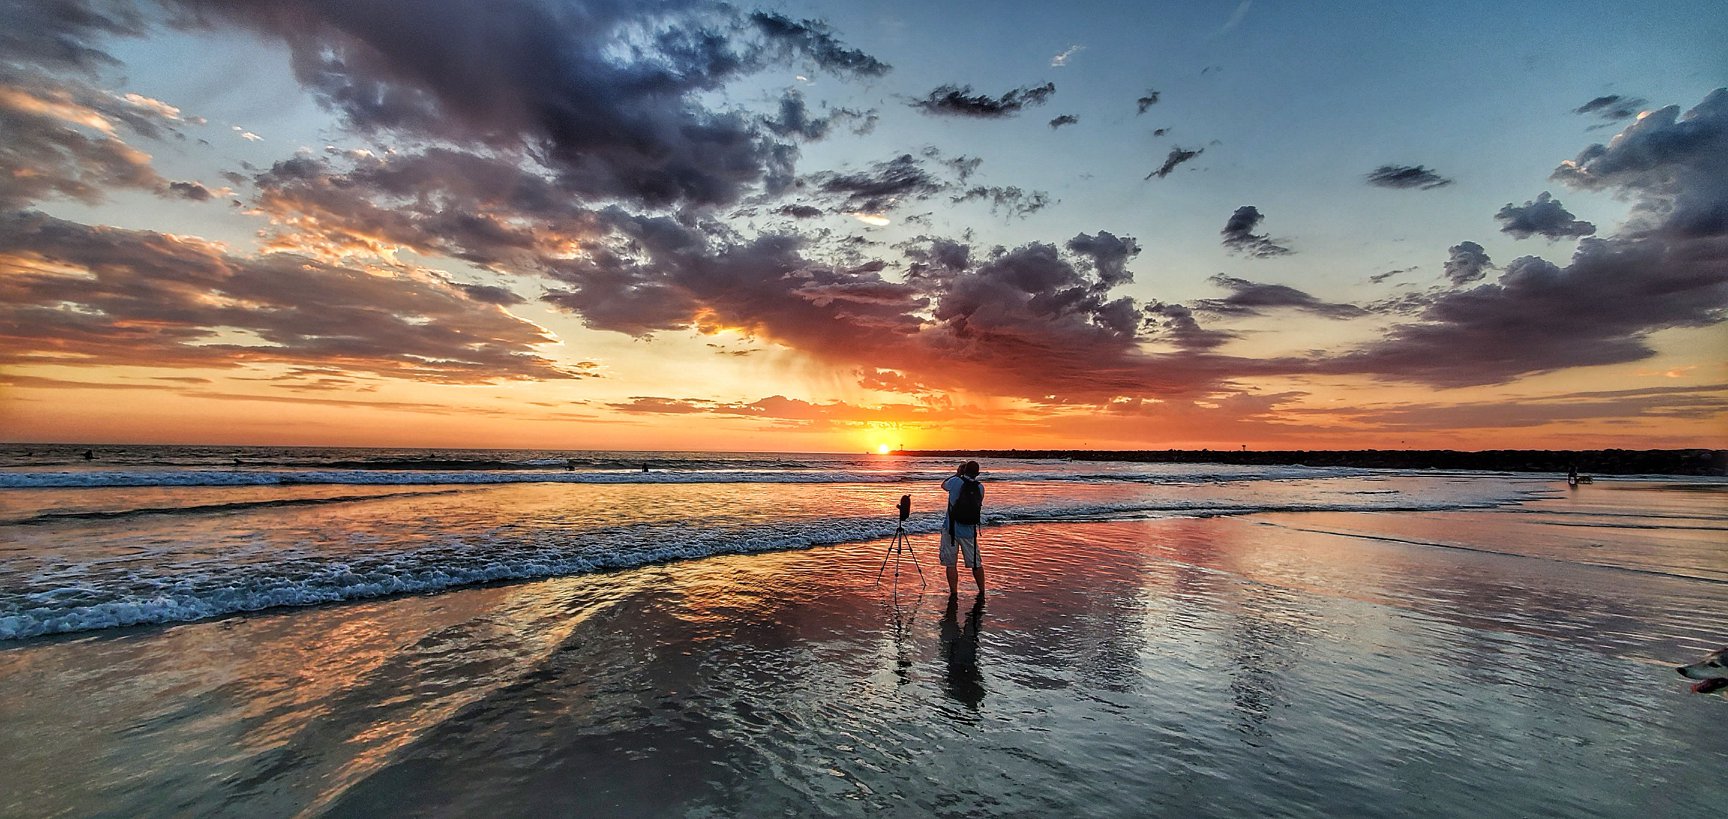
column 897, row 546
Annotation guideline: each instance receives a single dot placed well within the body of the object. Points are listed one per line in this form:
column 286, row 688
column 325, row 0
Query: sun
column 882, row 449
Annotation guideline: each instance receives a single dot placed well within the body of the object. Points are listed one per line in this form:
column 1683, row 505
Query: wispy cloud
column 1067, row 54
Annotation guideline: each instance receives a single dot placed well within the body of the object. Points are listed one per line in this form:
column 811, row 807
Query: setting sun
column 882, row 449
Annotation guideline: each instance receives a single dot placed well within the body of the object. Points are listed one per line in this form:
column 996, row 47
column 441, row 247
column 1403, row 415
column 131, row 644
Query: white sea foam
column 250, row 574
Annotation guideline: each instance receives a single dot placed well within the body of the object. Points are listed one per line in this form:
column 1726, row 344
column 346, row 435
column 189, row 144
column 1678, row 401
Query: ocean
column 287, row 631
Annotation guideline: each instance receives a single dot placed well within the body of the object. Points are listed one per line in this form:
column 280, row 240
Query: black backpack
column 969, row 507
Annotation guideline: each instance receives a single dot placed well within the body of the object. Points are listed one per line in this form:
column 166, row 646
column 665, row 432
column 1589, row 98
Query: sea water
column 143, row 535
column 370, row 632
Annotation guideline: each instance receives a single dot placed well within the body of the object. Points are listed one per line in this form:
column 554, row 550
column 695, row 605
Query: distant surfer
column 1572, row 476
column 569, row 464
column 89, row 454
column 644, row 467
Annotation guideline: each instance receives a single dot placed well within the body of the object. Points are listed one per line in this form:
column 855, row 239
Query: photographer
column 960, row 526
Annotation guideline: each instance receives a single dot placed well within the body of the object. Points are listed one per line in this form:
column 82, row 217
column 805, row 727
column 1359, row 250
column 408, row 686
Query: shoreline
column 1698, row 462
column 1174, row 653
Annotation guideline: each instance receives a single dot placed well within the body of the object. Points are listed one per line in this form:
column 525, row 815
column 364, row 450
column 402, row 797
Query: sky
column 825, row 226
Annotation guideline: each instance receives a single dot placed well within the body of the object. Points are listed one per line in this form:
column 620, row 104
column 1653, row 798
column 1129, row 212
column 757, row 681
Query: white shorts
column 968, row 546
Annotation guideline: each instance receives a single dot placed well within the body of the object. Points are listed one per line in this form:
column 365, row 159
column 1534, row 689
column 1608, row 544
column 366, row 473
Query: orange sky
column 811, row 233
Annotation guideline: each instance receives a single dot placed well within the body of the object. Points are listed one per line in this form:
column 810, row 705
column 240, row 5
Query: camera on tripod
column 899, row 546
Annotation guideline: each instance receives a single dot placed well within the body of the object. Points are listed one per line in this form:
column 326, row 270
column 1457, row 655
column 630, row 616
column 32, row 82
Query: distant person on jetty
column 960, row 525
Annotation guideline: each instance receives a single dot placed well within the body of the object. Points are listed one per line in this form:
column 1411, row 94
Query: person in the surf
column 960, row 525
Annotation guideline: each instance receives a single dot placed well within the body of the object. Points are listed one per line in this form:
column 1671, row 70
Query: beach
column 1155, row 641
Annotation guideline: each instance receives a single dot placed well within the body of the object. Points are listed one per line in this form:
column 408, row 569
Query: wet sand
column 1299, row 664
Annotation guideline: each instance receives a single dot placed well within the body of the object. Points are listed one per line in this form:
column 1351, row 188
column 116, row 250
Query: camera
column 905, row 506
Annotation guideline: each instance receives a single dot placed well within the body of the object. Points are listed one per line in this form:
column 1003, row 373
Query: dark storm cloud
column 549, row 80
column 1406, row 176
column 1612, row 107
column 1467, row 262
column 1254, row 298
column 1177, row 156
column 959, row 101
column 1239, row 236
column 1011, row 201
column 110, row 297
column 1543, row 217
column 1065, row 119
column 816, row 41
column 1380, row 277
column 1676, row 166
column 1149, row 99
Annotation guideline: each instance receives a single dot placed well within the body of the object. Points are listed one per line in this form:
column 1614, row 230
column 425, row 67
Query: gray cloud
column 65, row 138
column 1176, row 157
column 1467, row 262
column 960, row 101
column 1669, row 269
column 1540, row 317
column 1147, row 100
column 547, row 81
column 144, row 299
column 1676, row 165
column 1011, row 201
column 795, row 119
column 881, row 186
column 1239, row 237
column 814, row 40
column 190, row 190
column 1612, row 107
column 1254, row 298
column 64, row 34
column 492, row 294
column 1176, row 324
column 1065, row 119
column 1406, row 176
column 1107, row 255
column 1544, row 217
column 797, row 211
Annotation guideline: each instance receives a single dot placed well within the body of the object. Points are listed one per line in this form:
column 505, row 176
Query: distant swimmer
column 644, row 467
column 89, row 454
column 569, row 464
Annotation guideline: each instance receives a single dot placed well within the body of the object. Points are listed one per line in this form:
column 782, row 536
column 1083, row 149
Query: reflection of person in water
column 960, row 651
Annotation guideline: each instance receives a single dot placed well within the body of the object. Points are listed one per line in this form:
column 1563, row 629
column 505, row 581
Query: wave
column 212, row 508
column 104, row 597
column 369, row 477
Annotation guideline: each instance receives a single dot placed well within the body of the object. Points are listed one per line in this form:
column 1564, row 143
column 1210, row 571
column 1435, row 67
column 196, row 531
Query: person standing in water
column 960, row 525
